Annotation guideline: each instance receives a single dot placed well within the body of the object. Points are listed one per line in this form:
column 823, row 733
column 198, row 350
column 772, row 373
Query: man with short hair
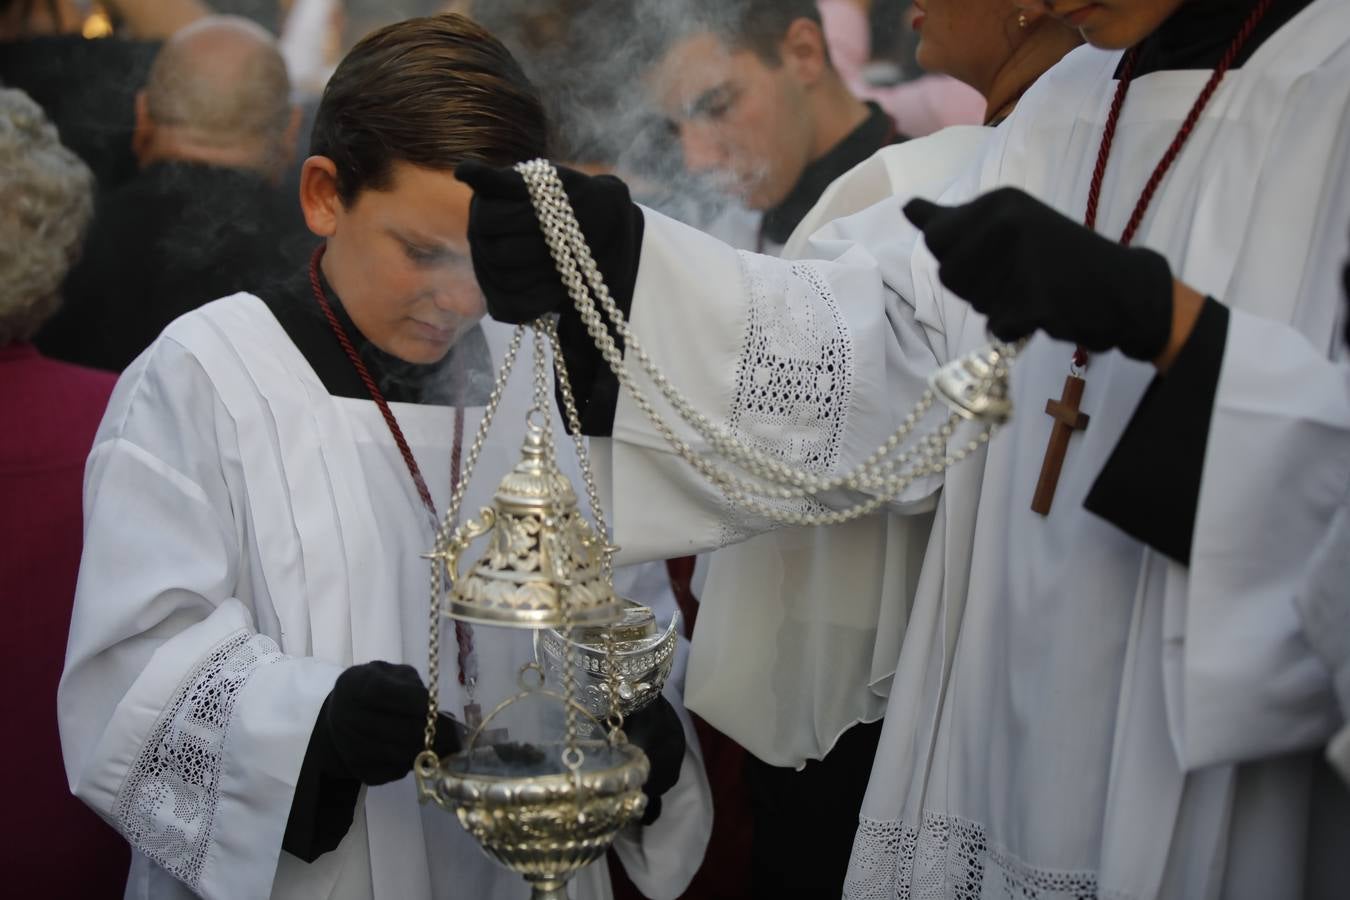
column 757, row 104
column 751, row 93
column 204, row 217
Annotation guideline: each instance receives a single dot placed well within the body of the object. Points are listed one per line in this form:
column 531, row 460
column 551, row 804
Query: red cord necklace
column 468, row 664
column 1065, row 411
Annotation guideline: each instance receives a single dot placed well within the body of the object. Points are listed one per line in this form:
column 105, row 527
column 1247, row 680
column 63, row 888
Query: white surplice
column 1324, row 604
column 247, row 537
column 1072, row 714
column 773, row 665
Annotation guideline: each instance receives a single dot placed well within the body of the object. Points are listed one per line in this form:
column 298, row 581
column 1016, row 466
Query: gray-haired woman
column 48, row 414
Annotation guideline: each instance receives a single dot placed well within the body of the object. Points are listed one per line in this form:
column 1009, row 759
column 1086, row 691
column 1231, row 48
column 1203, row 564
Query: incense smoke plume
column 593, row 60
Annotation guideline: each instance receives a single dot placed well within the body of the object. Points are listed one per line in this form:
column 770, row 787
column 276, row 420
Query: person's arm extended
column 151, row 20
column 811, row 363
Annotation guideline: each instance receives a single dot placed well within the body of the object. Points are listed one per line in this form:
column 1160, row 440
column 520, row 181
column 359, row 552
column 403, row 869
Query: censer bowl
column 535, row 816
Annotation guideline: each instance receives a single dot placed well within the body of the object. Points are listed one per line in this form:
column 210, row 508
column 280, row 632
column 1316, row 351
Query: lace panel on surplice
column 167, row 805
column 794, row 375
column 950, row 857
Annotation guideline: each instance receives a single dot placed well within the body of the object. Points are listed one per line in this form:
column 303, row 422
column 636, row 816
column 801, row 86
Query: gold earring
column 1021, row 20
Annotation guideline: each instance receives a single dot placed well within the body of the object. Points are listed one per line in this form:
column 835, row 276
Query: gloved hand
column 370, row 729
column 657, row 729
column 1027, row 268
column 510, row 259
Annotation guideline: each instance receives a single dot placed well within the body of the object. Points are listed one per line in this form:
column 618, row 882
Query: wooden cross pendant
column 473, row 717
column 1068, row 419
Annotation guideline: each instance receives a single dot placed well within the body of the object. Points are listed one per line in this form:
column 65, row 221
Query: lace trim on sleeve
column 167, row 805
column 794, row 375
column 951, row 857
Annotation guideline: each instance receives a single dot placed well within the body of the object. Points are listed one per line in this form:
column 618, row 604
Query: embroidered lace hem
column 167, row 804
column 949, row 857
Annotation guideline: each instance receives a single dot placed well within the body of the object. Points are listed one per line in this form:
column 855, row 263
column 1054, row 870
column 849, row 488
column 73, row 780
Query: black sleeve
column 593, row 383
column 322, row 810
column 1150, row 486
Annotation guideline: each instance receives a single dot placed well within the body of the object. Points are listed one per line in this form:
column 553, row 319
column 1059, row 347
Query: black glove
column 369, row 731
column 514, row 267
column 370, row 728
column 657, row 729
column 520, row 281
column 1028, row 268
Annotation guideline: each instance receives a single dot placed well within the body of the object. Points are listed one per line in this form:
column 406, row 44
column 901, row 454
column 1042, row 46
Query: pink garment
column 49, row 412
column 919, row 107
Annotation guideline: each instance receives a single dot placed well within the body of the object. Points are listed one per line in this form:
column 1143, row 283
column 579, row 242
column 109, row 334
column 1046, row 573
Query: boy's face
column 399, row 258
column 737, row 118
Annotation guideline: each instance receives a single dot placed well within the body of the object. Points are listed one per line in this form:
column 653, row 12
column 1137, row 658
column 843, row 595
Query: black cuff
column 593, row 384
column 1150, row 486
column 323, row 808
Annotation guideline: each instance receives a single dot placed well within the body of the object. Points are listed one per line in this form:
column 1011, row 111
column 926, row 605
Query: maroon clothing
column 49, row 413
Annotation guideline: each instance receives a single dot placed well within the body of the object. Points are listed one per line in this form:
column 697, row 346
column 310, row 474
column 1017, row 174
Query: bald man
column 219, row 95
column 204, row 218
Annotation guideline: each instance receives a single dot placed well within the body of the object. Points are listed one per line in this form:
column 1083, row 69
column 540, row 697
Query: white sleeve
column 916, row 168
column 1324, row 603
column 812, row 362
column 1243, row 673
column 180, row 724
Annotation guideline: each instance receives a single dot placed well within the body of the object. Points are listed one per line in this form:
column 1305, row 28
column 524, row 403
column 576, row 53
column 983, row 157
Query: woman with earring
column 990, row 45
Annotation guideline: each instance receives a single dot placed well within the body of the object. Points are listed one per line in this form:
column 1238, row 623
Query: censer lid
column 535, row 482
column 539, row 547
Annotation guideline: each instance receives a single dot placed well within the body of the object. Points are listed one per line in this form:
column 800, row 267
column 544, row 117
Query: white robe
column 773, row 665
column 1072, row 714
column 1323, row 598
column 248, row 536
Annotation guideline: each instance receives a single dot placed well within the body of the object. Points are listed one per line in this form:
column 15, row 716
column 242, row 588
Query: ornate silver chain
column 884, row 475
column 444, row 533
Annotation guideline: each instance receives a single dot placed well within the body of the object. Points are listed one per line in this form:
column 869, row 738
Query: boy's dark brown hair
column 433, row 92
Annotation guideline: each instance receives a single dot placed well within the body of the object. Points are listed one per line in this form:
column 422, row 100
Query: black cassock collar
column 1199, row 32
column 875, row 132
column 463, row 378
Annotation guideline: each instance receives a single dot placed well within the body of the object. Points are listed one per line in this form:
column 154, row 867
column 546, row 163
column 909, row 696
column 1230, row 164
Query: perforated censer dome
column 535, row 531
